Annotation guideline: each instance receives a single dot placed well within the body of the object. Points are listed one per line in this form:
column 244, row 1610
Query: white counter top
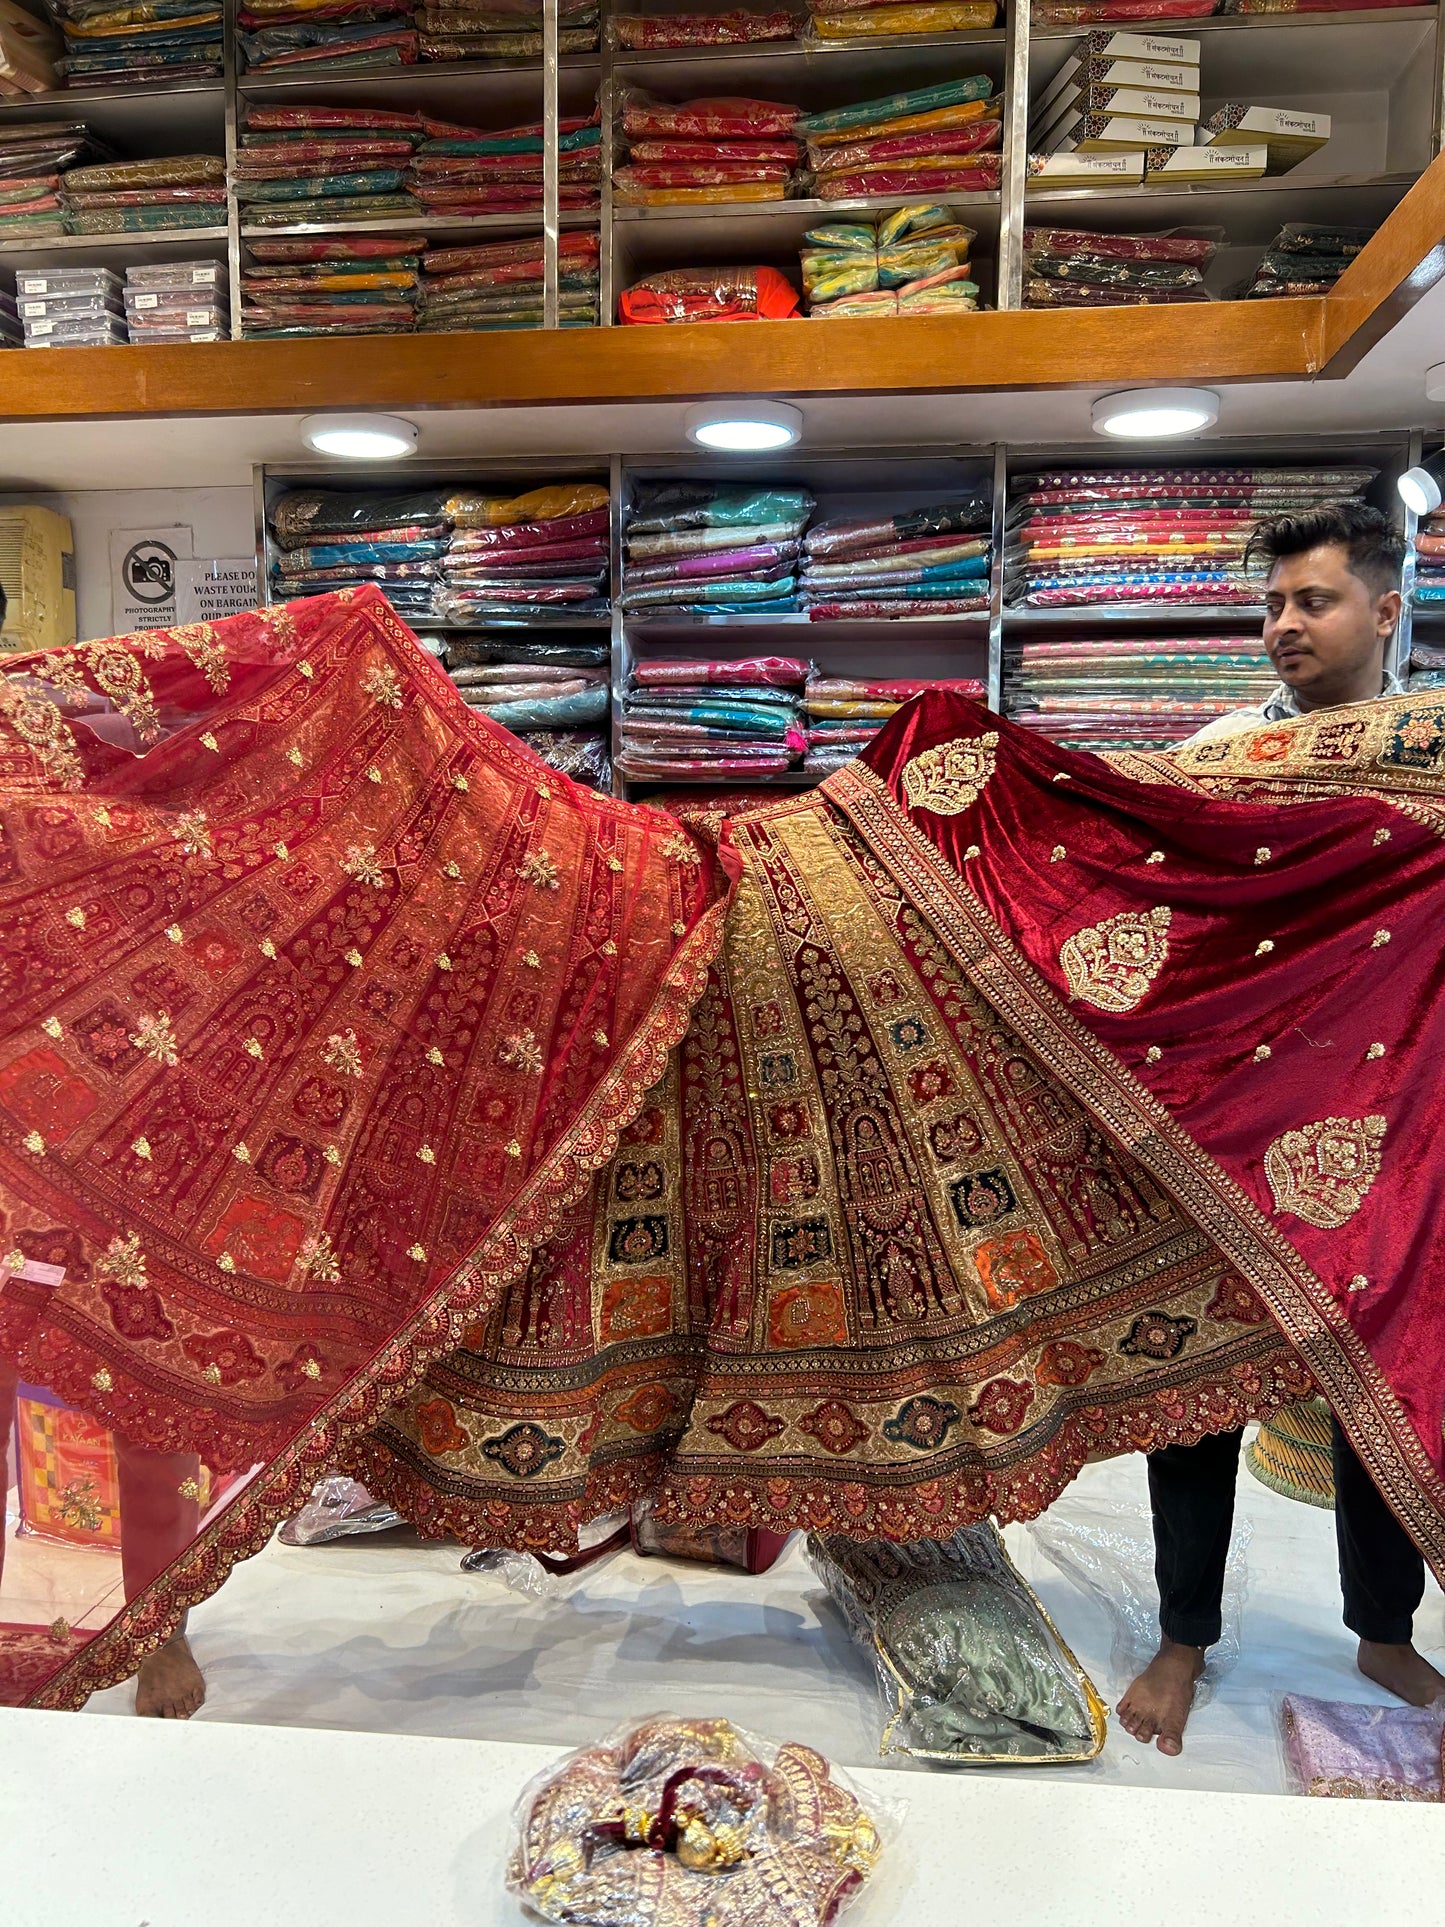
column 137, row 1823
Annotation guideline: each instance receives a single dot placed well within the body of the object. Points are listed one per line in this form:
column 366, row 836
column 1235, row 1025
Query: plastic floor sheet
column 386, row 1634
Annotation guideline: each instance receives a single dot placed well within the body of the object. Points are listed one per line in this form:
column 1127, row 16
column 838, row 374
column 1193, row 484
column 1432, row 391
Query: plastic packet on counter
column 722, row 118
column 722, row 1825
column 970, row 1666
column 639, row 31
column 339, row 1508
column 1345, row 1750
column 709, row 294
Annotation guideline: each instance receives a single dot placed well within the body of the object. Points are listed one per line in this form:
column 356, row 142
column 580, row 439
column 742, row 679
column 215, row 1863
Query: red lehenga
column 1027, row 1110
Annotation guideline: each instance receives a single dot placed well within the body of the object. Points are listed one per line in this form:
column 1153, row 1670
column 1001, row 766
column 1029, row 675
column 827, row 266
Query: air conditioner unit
column 37, row 569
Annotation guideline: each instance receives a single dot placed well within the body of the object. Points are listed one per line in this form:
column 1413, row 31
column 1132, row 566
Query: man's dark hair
column 1374, row 548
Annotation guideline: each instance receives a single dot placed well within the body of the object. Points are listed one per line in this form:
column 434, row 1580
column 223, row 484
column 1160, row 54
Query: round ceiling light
column 1149, row 412
column 1435, row 382
column 360, row 438
column 1420, row 488
column 744, row 427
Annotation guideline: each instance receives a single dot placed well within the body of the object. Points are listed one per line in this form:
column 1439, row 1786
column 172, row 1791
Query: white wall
column 220, row 520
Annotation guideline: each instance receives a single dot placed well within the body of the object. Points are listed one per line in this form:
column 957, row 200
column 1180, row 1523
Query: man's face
column 1325, row 630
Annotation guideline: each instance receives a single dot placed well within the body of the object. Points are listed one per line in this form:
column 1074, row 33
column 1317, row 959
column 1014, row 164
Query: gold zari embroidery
column 948, row 779
column 1112, row 964
column 1323, row 1171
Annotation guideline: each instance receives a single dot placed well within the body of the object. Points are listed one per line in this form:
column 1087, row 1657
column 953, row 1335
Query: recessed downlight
column 360, row 438
column 1147, row 413
column 744, row 427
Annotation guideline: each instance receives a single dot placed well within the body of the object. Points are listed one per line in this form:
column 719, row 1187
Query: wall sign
column 143, row 577
column 217, row 586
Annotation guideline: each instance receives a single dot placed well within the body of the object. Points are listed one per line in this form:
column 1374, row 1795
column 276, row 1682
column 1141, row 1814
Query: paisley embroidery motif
column 1112, row 964
column 1322, row 1172
column 947, row 780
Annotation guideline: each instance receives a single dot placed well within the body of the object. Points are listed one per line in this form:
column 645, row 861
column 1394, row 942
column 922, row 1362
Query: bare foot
column 1157, row 1704
column 169, row 1685
column 1401, row 1671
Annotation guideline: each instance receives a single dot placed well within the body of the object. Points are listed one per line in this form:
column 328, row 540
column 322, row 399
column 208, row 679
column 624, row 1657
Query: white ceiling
column 1385, row 391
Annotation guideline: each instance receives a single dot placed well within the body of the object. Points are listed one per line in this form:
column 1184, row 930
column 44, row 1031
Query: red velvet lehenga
column 369, row 1095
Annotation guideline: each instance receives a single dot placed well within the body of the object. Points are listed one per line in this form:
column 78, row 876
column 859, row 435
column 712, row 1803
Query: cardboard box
column 1167, row 164
column 1134, row 102
column 1290, row 135
column 1103, row 44
column 1072, row 169
column 1160, row 76
column 1099, row 133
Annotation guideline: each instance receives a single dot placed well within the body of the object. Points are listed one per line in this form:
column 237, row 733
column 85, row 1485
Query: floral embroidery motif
column 835, row 1426
column 1112, row 964
column 521, row 1052
column 1066, row 1363
column 745, row 1426
column 231, row 1354
column 538, row 868
column 157, row 1039
column 1154, row 1334
column 922, row 1422
column 119, row 676
column 1014, row 1267
column 437, row 1425
column 1002, row 1405
column 1236, row 1302
column 198, row 639
column 1322, row 1172
column 342, row 1053
column 41, row 727
column 320, row 1261
column 524, row 1450
column 383, row 685
column 193, row 833
column 949, row 779
column 124, row 1261
column 360, row 864
column 1375, row 1050
column 648, row 1409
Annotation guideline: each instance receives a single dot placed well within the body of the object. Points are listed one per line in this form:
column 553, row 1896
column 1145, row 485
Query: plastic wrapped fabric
column 181, row 170
column 734, row 717
column 670, row 508
column 709, row 294
column 1342, row 1750
column 901, row 610
column 307, row 187
column 967, row 515
column 784, row 671
column 981, row 176
column 496, row 675
column 554, row 503
column 673, row 175
column 722, row 118
column 362, row 207
column 510, row 695
column 766, row 558
column 971, row 1668
column 843, row 157
column 722, row 594
column 638, row 32
column 627, row 195
column 1322, row 237
column 1042, row 293
column 581, row 754
column 508, row 260
column 946, row 16
column 1101, row 272
column 1108, row 13
column 1066, row 242
column 707, row 766
column 499, row 537
column 312, row 119
column 339, row 248
column 503, row 46
column 305, row 514
column 895, row 689
column 471, row 651
column 972, row 91
column 144, row 220
column 937, row 120
column 554, row 712
column 1302, row 6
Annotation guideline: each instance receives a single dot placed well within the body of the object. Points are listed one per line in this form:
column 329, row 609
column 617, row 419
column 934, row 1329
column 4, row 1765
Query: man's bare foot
column 1401, row 1671
column 169, row 1685
column 1157, row 1704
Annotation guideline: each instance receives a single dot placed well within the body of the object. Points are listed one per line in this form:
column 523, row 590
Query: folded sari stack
column 870, row 19
column 361, row 286
column 1120, row 693
column 1070, row 268
column 703, row 549
column 1167, row 535
column 554, row 694
column 913, row 261
column 467, row 170
column 296, row 164
column 1430, row 561
column 1117, row 13
column 326, row 36
column 845, row 713
column 934, row 140
column 705, row 151
column 529, row 559
column 708, row 294
column 32, row 162
column 1306, row 257
column 108, row 44
column 640, row 32
column 327, row 541
column 474, row 290
column 137, row 197
column 714, row 721
column 926, row 562
column 502, row 29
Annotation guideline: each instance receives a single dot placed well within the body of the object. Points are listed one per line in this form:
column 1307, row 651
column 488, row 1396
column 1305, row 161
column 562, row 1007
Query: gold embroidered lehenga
column 1028, row 1110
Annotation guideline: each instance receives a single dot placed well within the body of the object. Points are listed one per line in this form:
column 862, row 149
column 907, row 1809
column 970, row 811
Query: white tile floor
column 388, row 1635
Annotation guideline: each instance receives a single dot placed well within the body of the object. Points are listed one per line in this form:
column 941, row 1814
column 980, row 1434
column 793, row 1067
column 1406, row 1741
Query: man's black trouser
column 1191, row 1491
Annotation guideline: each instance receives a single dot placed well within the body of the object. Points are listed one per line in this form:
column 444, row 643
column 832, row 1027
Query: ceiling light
column 1435, row 382
column 360, row 438
column 1145, row 412
column 1420, row 489
column 744, row 427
